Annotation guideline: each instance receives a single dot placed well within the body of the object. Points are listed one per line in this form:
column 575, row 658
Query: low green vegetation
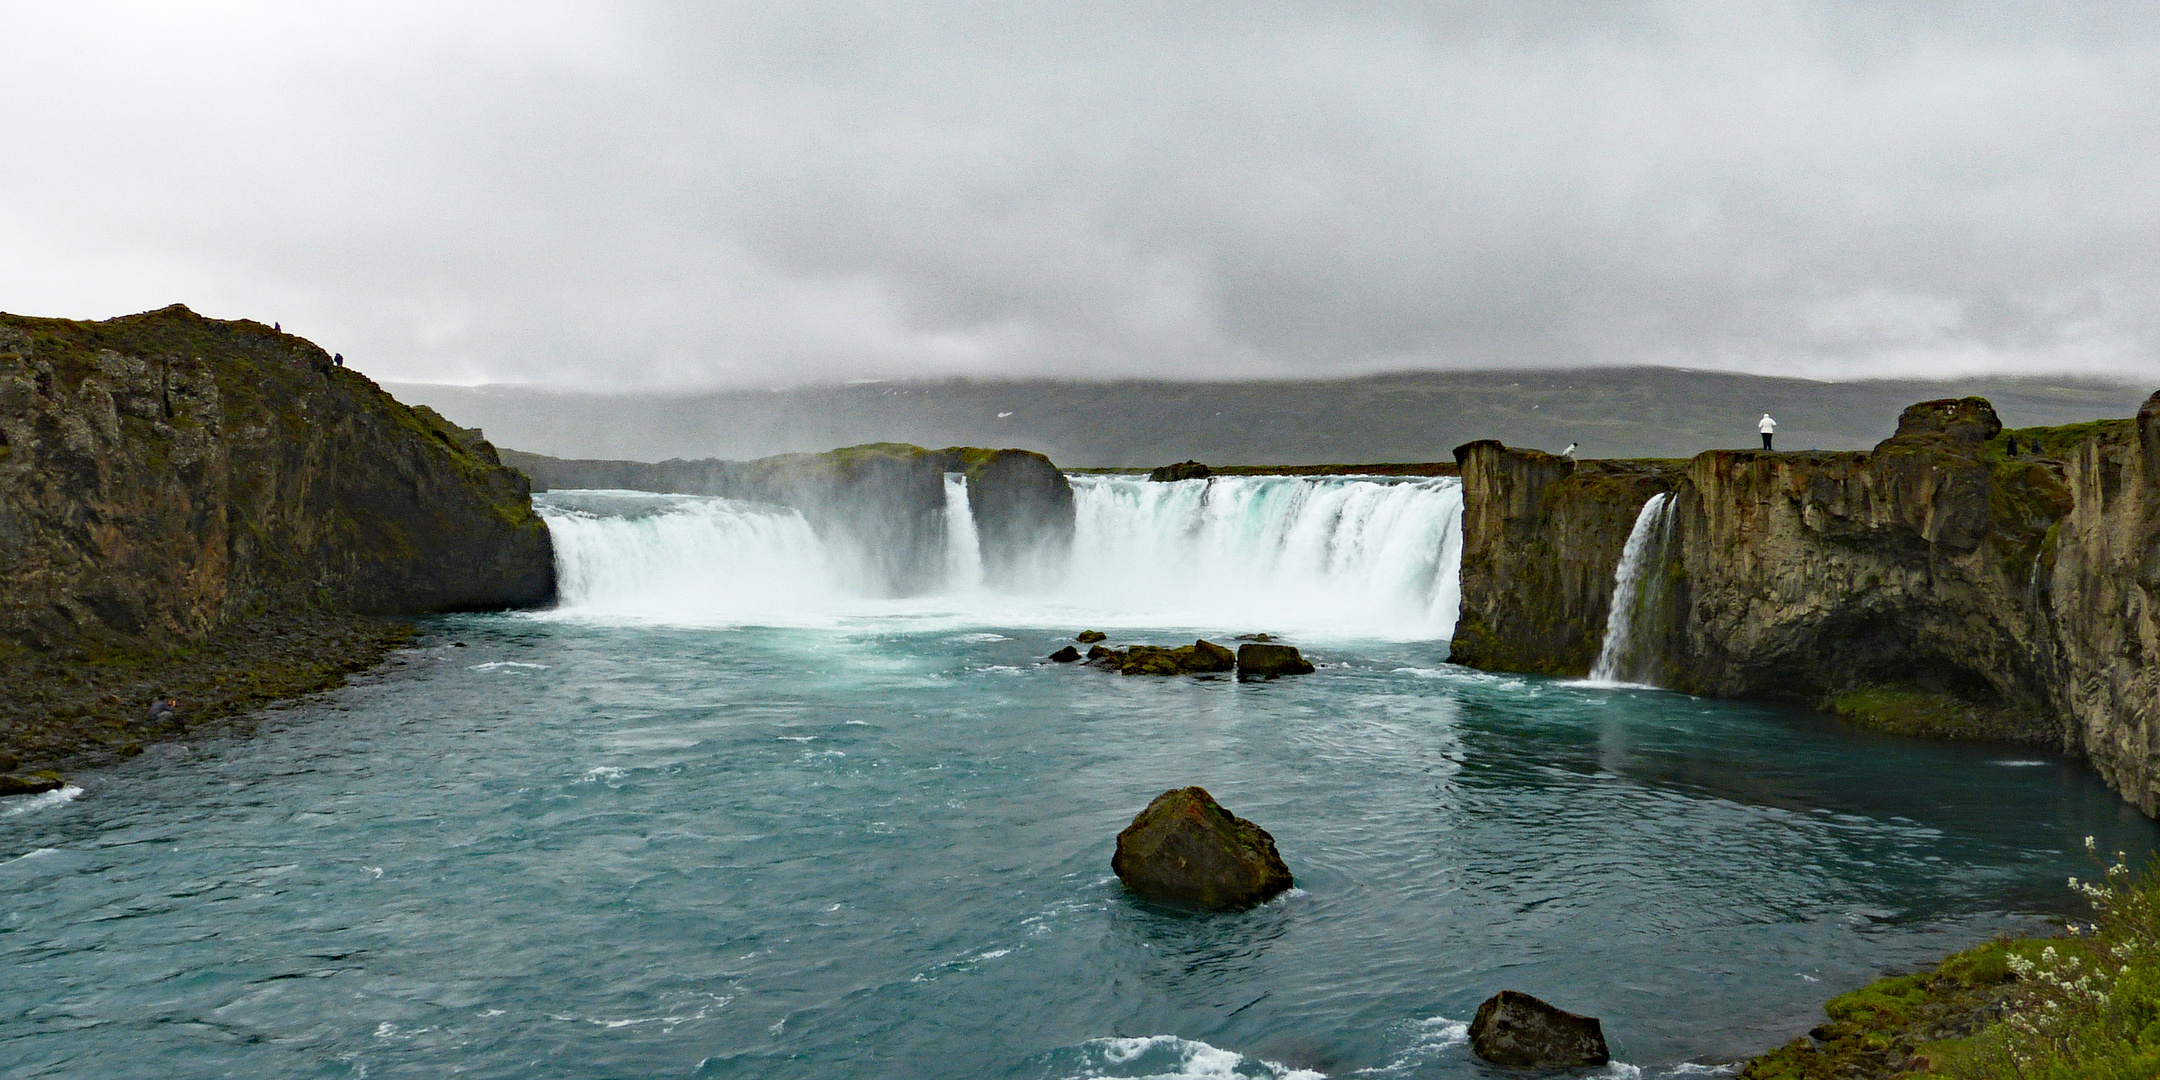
column 2086, row 1007
column 2081, row 1007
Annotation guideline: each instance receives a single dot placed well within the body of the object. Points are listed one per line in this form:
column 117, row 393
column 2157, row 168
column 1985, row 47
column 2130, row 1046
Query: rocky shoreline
column 85, row 706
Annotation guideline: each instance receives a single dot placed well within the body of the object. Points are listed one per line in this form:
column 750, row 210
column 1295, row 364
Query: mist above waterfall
column 1334, row 557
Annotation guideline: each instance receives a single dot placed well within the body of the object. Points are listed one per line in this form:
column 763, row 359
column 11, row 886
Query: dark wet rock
column 29, row 785
column 1066, row 655
column 1100, row 652
column 1520, row 1031
column 1186, row 851
column 1254, row 637
column 1202, row 657
column 1259, row 661
column 9, row 763
column 1183, row 470
column 1089, row 637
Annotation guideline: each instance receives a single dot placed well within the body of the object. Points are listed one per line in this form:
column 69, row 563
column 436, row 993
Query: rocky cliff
column 1952, row 581
column 2100, row 569
column 881, row 504
column 164, row 474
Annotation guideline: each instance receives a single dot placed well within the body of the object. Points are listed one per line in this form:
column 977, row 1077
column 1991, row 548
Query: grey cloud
column 649, row 194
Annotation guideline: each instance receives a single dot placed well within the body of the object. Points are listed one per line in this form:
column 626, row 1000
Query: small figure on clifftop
column 164, row 709
column 1768, row 427
column 338, row 359
column 1569, row 453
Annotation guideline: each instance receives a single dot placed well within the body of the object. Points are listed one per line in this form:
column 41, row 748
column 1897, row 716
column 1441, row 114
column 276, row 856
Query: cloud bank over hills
column 645, row 195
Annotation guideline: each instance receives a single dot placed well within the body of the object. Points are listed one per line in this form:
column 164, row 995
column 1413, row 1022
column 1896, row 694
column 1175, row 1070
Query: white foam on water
column 45, row 801
column 497, row 665
column 33, row 853
column 2019, row 764
column 1169, row 1057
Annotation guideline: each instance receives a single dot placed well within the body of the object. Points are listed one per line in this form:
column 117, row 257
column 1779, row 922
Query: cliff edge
column 1957, row 580
column 165, row 478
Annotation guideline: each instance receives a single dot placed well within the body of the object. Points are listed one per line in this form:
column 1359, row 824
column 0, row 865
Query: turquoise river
column 721, row 815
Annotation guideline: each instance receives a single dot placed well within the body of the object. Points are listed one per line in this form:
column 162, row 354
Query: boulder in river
column 1199, row 658
column 1186, row 851
column 1257, row 661
column 29, row 785
column 1089, row 637
column 1520, row 1031
column 1066, row 655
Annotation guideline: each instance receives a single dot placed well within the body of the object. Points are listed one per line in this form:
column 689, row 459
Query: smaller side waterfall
column 1623, row 657
column 963, row 548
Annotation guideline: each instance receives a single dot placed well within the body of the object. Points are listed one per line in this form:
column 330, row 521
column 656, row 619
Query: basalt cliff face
column 163, row 475
column 1953, row 581
column 881, row 505
column 2101, row 573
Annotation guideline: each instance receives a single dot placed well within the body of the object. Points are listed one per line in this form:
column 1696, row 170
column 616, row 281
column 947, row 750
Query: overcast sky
column 713, row 194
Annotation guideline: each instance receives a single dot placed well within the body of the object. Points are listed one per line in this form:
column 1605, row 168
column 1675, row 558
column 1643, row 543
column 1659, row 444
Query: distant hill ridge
column 1611, row 412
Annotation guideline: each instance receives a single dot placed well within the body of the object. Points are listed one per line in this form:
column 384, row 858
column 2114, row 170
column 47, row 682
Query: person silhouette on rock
column 1768, row 427
column 164, row 709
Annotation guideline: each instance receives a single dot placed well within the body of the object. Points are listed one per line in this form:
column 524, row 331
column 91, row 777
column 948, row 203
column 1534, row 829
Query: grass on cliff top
column 2082, row 1007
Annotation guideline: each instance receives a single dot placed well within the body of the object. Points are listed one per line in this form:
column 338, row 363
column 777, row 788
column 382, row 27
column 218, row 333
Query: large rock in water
column 1186, row 851
column 1257, row 661
column 1519, row 1031
column 1202, row 657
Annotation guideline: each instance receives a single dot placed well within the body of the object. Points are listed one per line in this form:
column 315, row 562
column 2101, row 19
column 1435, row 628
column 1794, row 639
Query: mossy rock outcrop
column 1184, row 850
column 1202, row 657
column 168, row 481
column 1183, row 470
column 1258, row 660
column 168, row 473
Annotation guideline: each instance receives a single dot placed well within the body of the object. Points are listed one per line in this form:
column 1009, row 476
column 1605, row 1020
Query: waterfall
column 1376, row 557
column 1366, row 556
column 1623, row 659
column 638, row 556
column 963, row 550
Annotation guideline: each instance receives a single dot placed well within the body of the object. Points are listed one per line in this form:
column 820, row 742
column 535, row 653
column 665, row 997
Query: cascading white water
column 1371, row 557
column 684, row 558
column 1620, row 660
column 963, row 551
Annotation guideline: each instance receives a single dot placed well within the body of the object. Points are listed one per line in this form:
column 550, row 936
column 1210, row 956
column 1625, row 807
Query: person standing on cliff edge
column 1768, row 427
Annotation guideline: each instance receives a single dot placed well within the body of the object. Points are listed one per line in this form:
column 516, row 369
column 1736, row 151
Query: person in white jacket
column 1768, row 427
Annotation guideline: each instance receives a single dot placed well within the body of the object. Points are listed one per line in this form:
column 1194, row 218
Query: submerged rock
column 1186, row 851
column 1183, row 470
column 29, row 785
column 1066, row 655
column 1257, row 661
column 1089, row 637
column 1520, row 1031
column 1199, row 658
